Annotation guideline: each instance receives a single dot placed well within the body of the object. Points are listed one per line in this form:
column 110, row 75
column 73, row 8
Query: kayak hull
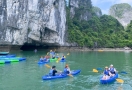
column 10, row 58
column 111, row 80
column 7, row 56
column 49, row 77
column 43, row 62
column 64, row 60
column 53, row 60
column 4, row 61
column 4, row 53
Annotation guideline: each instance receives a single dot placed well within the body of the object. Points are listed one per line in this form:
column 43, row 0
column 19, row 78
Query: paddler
column 67, row 70
column 106, row 73
column 53, row 71
column 112, row 70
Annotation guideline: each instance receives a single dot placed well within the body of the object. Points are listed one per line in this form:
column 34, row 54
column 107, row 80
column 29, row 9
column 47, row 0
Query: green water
column 27, row 75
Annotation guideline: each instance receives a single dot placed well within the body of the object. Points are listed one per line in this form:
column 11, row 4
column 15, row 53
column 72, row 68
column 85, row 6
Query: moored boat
column 11, row 55
column 4, row 53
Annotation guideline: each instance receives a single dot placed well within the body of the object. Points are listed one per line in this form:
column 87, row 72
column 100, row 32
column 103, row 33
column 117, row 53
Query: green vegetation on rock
column 104, row 31
column 118, row 10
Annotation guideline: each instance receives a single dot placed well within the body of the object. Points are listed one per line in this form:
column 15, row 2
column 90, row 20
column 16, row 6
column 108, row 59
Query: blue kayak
column 10, row 58
column 4, row 53
column 43, row 62
column 63, row 60
column 49, row 77
column 11, row 55
column 110, row 80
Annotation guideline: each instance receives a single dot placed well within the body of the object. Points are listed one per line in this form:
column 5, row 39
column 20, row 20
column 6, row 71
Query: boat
column 100, row 50
column 53, row 60
column 4, row 53
column 11, row 58
column 11, row 55
column 49, row 77
column 64, row 60
column 4, row 61
column 110, row 80
column 43, row 62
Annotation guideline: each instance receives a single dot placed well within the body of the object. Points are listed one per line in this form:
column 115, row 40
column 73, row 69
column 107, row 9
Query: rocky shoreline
column 91, row 49
column 61, row 48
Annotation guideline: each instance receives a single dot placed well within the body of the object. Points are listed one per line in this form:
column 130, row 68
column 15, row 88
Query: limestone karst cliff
column 26, row 21
column 81, row 9
column 122, row 12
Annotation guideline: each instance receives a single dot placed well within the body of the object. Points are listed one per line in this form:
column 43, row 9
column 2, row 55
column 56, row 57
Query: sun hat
column 106, row 67
column 111, row 65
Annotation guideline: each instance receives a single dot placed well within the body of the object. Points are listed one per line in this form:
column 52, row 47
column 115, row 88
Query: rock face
column 81, row 9
column 26, row 21
column 97, row 11
column 122, row 12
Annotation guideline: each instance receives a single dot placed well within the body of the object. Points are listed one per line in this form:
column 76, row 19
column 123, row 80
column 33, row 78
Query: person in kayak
column 106, row 73
column 67, row 70
column 41, row 59
column 63, row 57
column 53, row 71
column 112, row 70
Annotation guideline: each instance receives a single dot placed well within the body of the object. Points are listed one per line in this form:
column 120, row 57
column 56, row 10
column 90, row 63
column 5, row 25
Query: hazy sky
column 104, row 5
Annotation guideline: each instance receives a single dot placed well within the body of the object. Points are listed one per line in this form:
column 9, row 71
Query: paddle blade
column 99, row 68
column 95, row 70
column 120, row 80
column 70, row 75
column 47, row 66
column 68, row 54
column 123, row 72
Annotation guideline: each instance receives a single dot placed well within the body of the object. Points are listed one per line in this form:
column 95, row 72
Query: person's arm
column 114, row 69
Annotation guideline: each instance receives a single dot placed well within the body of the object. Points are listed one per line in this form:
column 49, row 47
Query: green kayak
column 53, row 60
column 14, row 60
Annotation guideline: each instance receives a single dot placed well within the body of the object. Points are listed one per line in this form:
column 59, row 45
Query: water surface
column 27, row 75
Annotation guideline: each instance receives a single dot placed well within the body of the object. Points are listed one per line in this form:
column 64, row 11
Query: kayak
column 4, row 61
column 8, row 61
column 53, row 60
column 11, row 58
column 49, row 77
column 4, row 53
column 110, row 80
column 64, row 60
column 11, row 55
column 43, row 62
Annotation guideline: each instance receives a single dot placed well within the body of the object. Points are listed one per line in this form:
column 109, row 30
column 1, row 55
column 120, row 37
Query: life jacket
column 112, row 70
column 41, row 59
column 62, row 58
column 44, row 59
column 66, row 71
column 51, row 72
column 106, row 72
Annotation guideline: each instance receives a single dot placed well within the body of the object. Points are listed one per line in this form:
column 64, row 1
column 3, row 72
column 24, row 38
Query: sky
column 105, row 5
